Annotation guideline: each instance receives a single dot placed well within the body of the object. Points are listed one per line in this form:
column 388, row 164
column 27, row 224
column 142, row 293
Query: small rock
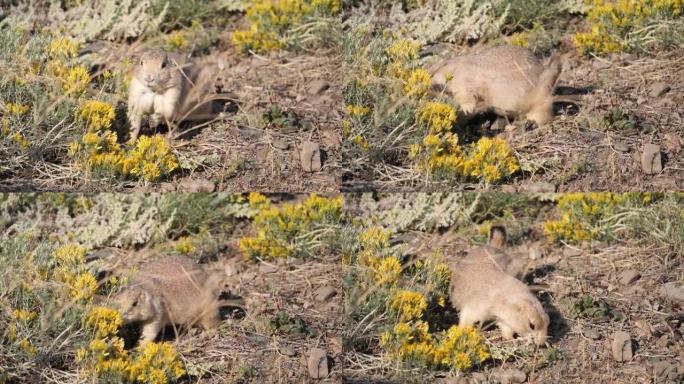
column 192, row 186
column 629, row 276
column 310, row 157
column 267, row 268
column 318, row 86
column 651, row 161
column 259, row 62
column 508, row 376
column 510, row 128
column 591, row 334
column 620, row 146
column 324, row 293
column 317, row 363
column 539, row 187
column 478, row 377
column 673, row 143
column 280, row 144
column 571, row 251
column 331, row 139
column 622, row 346
column 600, row 64
column 659, row 89
column 287, row 350
column 508, row 188
column 663, row 341
column 166, row 187
column 673, row 291
column 665, row 370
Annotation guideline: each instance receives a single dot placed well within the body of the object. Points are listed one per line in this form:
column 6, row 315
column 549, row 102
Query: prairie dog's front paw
column 155, row 119
column 468, row 108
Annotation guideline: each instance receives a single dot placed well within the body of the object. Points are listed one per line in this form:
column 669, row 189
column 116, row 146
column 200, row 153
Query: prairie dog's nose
column 149, row 78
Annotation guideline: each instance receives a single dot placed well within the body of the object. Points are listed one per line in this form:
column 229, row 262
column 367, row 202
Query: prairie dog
column 169, row 92
column 171, row 291
column 509, row 80
column 482, row 291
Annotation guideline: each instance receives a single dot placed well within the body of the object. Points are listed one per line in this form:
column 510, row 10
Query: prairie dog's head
column 135, row 304
column 156, row 71
column 497, row 236
column 526, row 317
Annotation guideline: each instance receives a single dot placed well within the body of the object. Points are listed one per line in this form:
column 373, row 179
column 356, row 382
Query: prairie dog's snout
column 482, row 290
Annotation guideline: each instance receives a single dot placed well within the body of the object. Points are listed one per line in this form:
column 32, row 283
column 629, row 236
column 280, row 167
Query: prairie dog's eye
column 135, row 303
column 532, row 326
column 164, row 64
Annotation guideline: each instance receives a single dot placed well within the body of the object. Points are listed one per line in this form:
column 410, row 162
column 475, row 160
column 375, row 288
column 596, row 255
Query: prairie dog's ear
column 497, row 236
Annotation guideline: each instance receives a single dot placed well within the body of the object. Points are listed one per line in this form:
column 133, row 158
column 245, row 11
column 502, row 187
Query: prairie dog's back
column 182, row 284
column 506, row 78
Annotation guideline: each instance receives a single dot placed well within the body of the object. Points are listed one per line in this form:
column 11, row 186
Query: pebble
column 673, row 291
column 310, row 157
column 280, row 144
column 620, row 146
column 622, row 346
column 317, row 87
column 539, row 187
column 571, row 251
column 267, row 268
column 629, row 276
column 591, row 334
column 508, row 376
column 651, row 161
column 317, row 363
column 200, row 185
column 324, row 293
column 287, row 350
column 659, row 89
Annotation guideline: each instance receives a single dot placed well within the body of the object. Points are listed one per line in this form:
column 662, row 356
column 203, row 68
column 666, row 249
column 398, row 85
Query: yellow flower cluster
column 490, row 159
column 614, row 20
column 408, row 305
column 149, row 159
column 278, row 227
column 16, row 109
column 418, row 82
column 98, row 115
column 436, row 117
column 270, row 22
column 63, row 48
column 403, row 50
column 71, row 270
column 581, row 215
column 357, row 110
column 456, row 348
column 185, row 245
column 106, row 357
column 23, row 315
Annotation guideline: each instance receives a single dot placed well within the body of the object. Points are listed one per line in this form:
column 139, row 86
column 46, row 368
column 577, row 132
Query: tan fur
column 508, row 80
column 171, row 291
column 481, row 290
column 169, row 91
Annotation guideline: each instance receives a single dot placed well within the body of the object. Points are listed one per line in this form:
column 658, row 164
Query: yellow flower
column 418, row 83
column 63, row 48
column 409, row 305
column 185, row 245
column 388, row 271
column 357, row 110
column 76, row 80
column 437, row 117
column 105, row 321
column 97, row 115
column 16, row 109
column 70, row 254
column 403, row 50
column 375, row 237
column 84, row 287
column 23, row 315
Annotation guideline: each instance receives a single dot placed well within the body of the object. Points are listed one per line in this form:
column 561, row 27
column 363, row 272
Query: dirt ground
column 258, row 348
column 576, row 153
